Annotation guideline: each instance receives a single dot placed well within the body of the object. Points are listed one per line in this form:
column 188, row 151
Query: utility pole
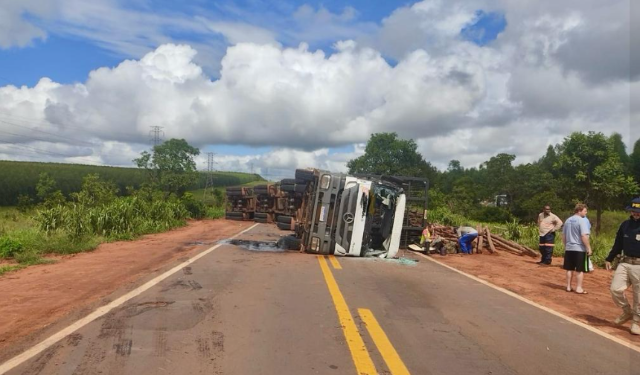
column 156, row 133
column 209, row 181
column 251, row 166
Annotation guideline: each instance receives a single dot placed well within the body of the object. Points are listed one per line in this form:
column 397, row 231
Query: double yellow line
column 359, row 353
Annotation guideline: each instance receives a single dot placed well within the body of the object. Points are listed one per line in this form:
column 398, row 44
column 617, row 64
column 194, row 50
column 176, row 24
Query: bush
column 196, row 208
column 25, row 202
column 492, row 215
column 9, row 248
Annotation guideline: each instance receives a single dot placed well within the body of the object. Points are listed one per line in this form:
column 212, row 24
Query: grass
column 23, row 228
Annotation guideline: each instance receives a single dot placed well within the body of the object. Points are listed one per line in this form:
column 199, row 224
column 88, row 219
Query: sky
column 270, row 86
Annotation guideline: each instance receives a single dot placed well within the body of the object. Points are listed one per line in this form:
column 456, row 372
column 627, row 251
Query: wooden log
column 480, row 239
column 525, row 250
column 492, row 248
column 503, row 246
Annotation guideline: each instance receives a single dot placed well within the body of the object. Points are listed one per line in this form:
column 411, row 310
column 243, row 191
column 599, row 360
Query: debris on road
column 494, row 243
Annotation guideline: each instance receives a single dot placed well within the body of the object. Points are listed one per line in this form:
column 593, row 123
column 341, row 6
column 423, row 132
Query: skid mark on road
column 52, row 340
column 359, row 353
column 386, row 349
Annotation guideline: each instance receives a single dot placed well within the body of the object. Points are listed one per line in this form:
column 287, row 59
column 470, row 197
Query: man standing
column 577, row 248
column 628, row 272
column 466, row 235
column 548, row 224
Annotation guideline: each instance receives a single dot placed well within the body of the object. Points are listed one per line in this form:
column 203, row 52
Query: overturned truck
column 359, row 215
column 338, row 214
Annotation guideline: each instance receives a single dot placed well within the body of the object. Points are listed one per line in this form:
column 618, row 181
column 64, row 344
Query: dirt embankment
column 546, row 286
column 35, row 297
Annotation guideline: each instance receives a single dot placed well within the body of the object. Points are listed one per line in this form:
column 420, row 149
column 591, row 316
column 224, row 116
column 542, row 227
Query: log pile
column 485, row 241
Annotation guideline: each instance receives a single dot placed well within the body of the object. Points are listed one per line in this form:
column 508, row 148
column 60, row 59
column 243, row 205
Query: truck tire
column 234, row 216
column 283, row 226
column 304, row 175
column 300, row 188
column 261, row 215
column 288, row 187
column 284, row 219
column 290, row 242
column 260, row 220
column 288, row 181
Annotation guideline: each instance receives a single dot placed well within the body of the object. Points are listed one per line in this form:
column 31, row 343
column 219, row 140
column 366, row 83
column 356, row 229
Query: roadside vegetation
column 586, row 168
column 52, row 222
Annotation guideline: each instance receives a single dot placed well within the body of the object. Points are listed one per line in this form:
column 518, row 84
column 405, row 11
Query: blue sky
column 67, row 58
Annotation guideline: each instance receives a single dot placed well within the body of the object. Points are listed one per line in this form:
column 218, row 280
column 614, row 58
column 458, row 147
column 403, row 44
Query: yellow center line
column 359, row 353
column 386, row 349
column 334, row 262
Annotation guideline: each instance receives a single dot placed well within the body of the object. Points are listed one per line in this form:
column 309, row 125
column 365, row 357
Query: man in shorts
column 577, row 248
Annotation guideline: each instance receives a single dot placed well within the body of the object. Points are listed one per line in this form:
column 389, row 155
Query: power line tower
column 209, row 180
column 156, row 134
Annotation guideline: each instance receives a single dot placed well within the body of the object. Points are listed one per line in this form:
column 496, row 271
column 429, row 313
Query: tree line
column 586, row 167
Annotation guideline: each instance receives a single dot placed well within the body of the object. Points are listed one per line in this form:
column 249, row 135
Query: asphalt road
column 238, row 311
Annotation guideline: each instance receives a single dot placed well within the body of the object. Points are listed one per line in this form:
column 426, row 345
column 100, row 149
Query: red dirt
column 38, row 296
column 546, row 286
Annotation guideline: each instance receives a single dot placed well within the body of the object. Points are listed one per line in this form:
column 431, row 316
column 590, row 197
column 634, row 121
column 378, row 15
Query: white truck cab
column 349, row 216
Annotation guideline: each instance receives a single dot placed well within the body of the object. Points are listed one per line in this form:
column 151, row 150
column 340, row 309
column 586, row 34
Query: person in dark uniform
column 627, row 274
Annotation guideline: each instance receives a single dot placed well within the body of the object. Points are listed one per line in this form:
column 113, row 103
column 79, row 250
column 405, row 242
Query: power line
column 45, row 123
column 44, row 132
column 41, row 151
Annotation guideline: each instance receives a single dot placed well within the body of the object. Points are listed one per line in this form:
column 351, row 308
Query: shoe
column 583, row 292
column 625, row 317
column 635, row 328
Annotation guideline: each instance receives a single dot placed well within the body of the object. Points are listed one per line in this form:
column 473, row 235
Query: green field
column 21, row 178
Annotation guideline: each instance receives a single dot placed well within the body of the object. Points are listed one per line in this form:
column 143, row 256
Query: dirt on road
column 36, row 297
column 546, row 286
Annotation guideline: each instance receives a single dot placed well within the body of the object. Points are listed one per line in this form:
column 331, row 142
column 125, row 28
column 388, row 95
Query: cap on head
column 634, row 206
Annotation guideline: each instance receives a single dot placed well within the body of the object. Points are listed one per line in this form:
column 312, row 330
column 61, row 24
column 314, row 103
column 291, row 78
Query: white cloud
column 555, row 69
column 16, row 29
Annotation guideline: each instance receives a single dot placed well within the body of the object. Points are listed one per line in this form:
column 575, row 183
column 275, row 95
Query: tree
column 46, row 191
column 634, row 161
column 549, row 159
column 499, row 174
column 95, row 192
column 385, row 154
column 594, row 171
column 620, row 149
column 171, row 167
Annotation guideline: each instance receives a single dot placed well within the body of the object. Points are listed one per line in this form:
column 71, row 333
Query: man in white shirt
column 548, row 224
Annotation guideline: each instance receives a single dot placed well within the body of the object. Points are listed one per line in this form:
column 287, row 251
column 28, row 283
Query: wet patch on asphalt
column 266, row 246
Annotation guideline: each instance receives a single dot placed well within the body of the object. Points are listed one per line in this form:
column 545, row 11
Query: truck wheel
column 304, row 175
column 284, row 219
column 260, row 220
column 300, row 188
column 234, row 216
column 283, row 226
column 288, row 187
column 289, row 243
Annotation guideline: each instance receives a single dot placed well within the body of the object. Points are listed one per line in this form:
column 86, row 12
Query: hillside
column 17, row 177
